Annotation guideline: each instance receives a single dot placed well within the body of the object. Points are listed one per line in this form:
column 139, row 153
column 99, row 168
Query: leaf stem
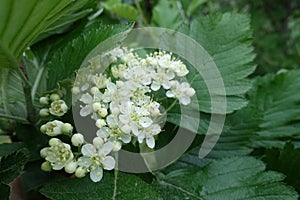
column 179, row 188
column 28, row 99
column 37, row 81
column 18, row 119
column 116, row 171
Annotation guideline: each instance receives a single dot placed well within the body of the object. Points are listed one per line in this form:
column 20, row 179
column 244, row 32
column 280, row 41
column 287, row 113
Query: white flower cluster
column 92, row 158
column 123, row 103
column 57, row 107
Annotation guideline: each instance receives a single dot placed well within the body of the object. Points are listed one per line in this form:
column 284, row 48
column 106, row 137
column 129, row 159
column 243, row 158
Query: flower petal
column 86, row 98
column 106, row 148
column 109, row 163
column 85, row 111
column 96, row 174
column 88, row 150
column 150, row 142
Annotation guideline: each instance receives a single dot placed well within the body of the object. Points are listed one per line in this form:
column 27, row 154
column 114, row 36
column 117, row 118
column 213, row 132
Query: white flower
column 182, row 91
column 148, row 133
column 161, row 78
column 59, row 154
column 58, row 108
column 52, row 128
column 96, row 159
column 77, row 139
column 89, row 101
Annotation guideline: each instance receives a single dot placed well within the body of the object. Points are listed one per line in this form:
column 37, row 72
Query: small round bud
column 43, row 128
column 44, row 100
column 117, row 145
column 71, row 167
column 100, row 123
column 94, row 90
column 54, row 141
column 77, row 139
column 98, row 142
column 46, row 166
column 102, row 112
column 96, row 106
column 54, row 97
column 43, row 152
column 80, row 172
column 67, row 128
column 75, row 90
column 44, row 112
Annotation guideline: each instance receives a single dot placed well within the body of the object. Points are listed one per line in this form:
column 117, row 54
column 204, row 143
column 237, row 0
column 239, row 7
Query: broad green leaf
column 227, row 39
column 9, row 148
column 4, row 191
column 33, row 140
column 128, row 187
column 230, row 178
column 276, row 102
column 11, row 94
column 22, row 21
column 12, row 165
column 286, row 161
column 65, row 61
column 166, row 14
column 121, row 9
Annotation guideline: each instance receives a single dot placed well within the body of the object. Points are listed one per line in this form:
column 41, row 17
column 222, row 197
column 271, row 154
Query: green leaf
column 166, row 14
column 230, row 178
column 121, row 9
column 128, row 187
column 12, row 165
column 193, row 5
column 9, row 148
column 66, row 60
column 287, row 161
column 272, row 116
column 4, row 191
column 21, row 22
column 227, row 39
column 12, row 100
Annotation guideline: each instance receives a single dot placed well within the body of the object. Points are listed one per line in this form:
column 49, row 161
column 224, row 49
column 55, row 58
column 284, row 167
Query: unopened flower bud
column 100, row 123
column 94, row 90
column 98, row 142
column 66, row 128
column 54, row 97
column 117, row 145
column 96, row 106
column 54, row 141
column 75, row 90
column 43, row 152
column 46, row 166
column 71, row 167
column 102, row 112
column 44, row 100
column 44, row 112
column 77, row 139
column 80, row 172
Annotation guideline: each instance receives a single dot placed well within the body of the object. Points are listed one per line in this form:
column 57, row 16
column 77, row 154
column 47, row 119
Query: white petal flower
column 58, row 108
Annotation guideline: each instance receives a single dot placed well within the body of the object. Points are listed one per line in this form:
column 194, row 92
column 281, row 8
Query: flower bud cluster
column 53, row 104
